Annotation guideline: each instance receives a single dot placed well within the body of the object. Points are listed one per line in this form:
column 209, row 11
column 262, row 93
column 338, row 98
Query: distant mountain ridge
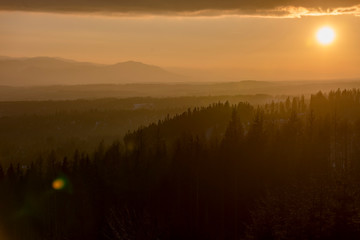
column 58, row 71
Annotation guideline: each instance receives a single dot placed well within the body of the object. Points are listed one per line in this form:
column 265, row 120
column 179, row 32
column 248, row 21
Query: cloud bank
column 277, row 8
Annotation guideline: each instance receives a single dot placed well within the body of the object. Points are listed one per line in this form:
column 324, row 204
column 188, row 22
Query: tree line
column 285, row 170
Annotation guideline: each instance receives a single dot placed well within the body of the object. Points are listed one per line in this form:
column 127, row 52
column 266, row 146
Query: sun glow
column 325, row 35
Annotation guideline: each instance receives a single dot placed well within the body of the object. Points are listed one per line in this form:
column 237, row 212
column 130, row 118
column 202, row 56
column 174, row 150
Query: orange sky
column 240, row 47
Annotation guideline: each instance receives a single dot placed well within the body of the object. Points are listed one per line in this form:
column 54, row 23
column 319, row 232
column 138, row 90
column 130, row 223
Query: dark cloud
column 186, row 7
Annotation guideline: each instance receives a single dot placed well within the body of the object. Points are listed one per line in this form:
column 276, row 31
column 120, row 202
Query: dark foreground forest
column 285, row 170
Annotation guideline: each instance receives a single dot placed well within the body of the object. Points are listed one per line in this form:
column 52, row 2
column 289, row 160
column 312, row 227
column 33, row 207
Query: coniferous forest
column 287, row 169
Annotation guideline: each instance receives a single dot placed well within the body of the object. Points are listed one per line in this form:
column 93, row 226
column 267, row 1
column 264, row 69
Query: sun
column 325, row 35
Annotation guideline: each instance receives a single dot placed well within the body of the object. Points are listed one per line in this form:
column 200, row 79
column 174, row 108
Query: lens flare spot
column 58, row 184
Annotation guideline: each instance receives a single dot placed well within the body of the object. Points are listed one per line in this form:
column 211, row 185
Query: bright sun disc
column 325, row 35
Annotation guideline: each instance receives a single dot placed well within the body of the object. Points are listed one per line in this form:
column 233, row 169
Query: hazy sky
column 244, row 41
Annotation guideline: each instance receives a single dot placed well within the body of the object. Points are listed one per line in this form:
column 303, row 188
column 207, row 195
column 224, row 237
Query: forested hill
column 209, row 124
column 286, row 170
column 32, row 128
column 206, row 123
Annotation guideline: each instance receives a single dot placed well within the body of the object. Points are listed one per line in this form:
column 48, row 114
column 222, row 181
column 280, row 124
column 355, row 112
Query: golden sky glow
column 236, row 46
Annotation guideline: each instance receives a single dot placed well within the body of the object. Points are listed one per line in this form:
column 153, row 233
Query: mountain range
column 58, row 71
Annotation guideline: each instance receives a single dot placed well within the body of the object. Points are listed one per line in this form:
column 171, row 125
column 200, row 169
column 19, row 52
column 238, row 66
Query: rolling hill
column 57, row 71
